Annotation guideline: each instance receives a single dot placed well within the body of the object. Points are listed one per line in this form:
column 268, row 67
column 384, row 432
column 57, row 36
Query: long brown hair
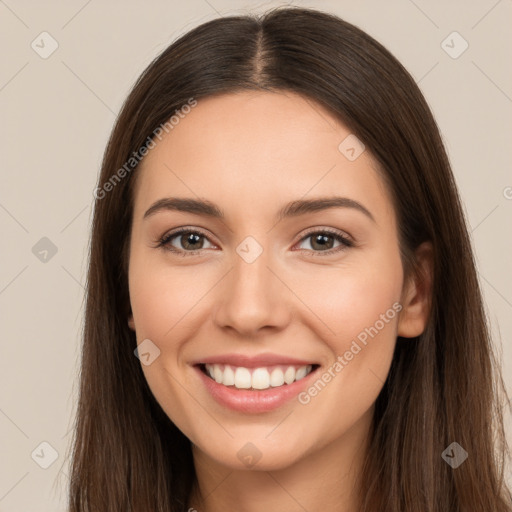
column 444, row 386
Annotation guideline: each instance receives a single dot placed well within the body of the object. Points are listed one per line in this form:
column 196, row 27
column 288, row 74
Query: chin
column 255, row 454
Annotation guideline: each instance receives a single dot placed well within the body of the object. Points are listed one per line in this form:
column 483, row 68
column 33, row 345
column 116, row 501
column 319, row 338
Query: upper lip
column 258, row 361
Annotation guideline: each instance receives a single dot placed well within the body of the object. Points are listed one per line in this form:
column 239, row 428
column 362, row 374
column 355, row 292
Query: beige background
column 56, row 115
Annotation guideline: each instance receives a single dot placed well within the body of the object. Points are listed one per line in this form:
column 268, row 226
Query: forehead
column 256, row 150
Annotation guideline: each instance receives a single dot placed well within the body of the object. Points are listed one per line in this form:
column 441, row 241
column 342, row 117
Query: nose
column 252, row 298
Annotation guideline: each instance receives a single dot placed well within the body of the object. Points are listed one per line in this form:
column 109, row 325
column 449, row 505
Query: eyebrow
column 292, row 209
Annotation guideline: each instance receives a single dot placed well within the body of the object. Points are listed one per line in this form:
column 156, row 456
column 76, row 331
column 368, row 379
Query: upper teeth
column 256, row 378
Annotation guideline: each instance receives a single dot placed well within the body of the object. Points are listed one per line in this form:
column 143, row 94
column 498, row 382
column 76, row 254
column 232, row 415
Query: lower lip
column 243, row 400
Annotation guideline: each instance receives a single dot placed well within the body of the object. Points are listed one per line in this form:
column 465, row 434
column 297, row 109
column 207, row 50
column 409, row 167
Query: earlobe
column 131, row 322
column 417, row 295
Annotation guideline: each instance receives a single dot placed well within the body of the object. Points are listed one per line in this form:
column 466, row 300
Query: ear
column 131, row 322
column 417, row 295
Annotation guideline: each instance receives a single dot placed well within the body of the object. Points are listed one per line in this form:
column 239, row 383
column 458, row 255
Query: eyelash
column 346, row 243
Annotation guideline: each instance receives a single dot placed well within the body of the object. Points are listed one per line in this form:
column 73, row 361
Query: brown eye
column 184, row 241
column 191, row 241
column 324, row 241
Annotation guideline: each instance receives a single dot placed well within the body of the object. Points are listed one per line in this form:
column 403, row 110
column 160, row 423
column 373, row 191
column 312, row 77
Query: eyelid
column 164, row 241
column 345, row 240
column 331, row 231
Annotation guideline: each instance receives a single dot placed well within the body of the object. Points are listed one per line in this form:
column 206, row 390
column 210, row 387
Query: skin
column 250, row 153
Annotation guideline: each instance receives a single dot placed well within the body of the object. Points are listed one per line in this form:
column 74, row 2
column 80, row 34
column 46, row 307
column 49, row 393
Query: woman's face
column 266, row 283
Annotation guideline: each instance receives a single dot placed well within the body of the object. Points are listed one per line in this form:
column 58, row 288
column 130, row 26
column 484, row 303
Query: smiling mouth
column 256, row 379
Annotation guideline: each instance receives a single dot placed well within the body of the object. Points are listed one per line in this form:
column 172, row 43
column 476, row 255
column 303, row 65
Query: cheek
column 354, row 299
column 161, row 298
column 359, row 312
column 160, row 301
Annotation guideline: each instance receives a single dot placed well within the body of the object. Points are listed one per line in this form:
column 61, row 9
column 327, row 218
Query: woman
column 282, row 310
